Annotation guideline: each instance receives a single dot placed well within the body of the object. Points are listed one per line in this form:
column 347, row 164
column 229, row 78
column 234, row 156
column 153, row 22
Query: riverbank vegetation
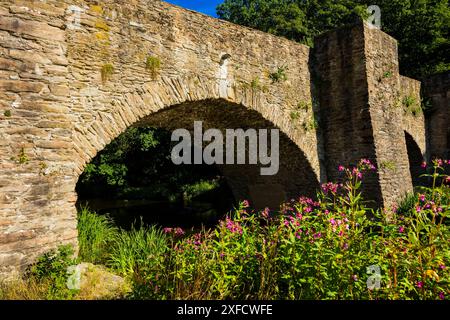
column 331, row 247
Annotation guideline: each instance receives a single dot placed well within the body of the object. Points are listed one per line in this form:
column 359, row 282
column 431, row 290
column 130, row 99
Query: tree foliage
column 137, row 164
column 420, row 26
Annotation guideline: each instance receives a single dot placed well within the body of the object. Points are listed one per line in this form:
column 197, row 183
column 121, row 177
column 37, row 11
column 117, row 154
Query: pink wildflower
column 233, row 227
column 307, row 209
column 265, row 213
column 167, row 230
column 179, row 232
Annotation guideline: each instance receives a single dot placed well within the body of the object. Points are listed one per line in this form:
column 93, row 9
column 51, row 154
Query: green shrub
column 52, row 268
column 191, row 191
column 407, row 204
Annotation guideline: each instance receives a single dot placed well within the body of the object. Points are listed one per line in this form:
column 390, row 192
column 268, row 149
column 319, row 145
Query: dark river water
column 195, row 215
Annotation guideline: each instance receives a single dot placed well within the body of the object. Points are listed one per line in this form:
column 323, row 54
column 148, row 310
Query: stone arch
column 415, row 157
column 176, row 104
column 120, row 110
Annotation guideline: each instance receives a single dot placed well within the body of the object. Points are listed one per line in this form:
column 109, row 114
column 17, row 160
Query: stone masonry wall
column 437, row 89
column 360, row 92
column 339, row 75
column 36, row 128
column 384, row 88
column 70, row 84
column 414, row 127
column 413, row 118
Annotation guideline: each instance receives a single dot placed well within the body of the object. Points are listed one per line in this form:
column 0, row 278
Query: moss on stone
column 107, row 71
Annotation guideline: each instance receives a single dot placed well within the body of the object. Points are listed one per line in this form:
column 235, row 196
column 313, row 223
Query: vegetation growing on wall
column 107, row 71
column 301, row 107
column 22, row 157
column 411, row 106
column 153, row 64
column 388, row 165
column 311, row 124
column 279, row 75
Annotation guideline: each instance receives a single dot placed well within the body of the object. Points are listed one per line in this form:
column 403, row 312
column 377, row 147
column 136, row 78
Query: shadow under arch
column 295, row 177
column 415, row 158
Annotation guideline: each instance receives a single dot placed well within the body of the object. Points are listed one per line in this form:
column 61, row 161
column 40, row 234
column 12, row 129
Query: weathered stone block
column 34, row 28
column 21, row 86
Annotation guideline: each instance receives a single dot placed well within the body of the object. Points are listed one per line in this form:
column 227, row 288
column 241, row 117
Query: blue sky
column 205, row 6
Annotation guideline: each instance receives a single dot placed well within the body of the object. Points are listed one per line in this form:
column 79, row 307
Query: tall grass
column 96, row 234
column 124, row 251
column 140, row 247
column 20, row 289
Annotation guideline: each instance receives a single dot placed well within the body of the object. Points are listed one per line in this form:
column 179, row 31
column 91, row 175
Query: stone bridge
column 76, row 74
